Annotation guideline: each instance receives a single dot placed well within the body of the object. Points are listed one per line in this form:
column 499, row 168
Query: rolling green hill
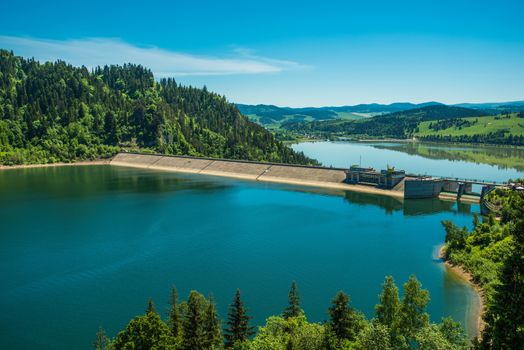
column 396, row 125
column 277, row 119
column 55, row 112
column 500, row 129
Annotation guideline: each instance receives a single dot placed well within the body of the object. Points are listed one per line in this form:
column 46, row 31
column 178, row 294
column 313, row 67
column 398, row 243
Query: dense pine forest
column 54, row 112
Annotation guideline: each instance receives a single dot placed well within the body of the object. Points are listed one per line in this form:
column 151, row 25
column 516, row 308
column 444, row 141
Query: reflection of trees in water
column 414, row 207
column 390, row 204
column 410, row 207
column 502, row 157
column 92, row 180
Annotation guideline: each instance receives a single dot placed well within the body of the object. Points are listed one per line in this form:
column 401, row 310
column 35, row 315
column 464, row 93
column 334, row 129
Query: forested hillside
column 493, row 252
column 55, row 112
column 273, row 116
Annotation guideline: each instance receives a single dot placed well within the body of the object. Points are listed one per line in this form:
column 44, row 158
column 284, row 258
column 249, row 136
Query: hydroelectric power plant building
column 386, row 179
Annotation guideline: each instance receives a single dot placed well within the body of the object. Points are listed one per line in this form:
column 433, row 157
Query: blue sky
column 293, row 53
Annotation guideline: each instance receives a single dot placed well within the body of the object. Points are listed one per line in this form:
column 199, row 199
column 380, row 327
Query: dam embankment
column 315, row 176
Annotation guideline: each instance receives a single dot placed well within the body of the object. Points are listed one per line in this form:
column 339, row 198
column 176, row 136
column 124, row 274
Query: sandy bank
column 81, row 163
column 338, row 186
column 464, row 275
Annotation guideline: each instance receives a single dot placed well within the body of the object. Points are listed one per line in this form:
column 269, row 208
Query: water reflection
column 409, row 207
column 89, row 181
column 502, row 157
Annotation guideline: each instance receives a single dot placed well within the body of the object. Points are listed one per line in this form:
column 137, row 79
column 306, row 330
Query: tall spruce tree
column 150, row 306
column 342, row 317
column 293, row 310
column 174, row 313
column 238, row 329
column 387, row 310
column 212, row 326
column 195, row 337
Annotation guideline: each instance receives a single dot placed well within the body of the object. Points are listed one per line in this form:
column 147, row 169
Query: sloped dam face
column 323, row 177
column 87, row 246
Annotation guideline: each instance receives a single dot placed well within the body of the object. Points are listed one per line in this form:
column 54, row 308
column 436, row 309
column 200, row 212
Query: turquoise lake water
column 84, row 247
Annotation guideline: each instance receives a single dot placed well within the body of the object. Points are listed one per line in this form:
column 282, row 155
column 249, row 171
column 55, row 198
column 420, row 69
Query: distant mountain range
column 273, row 116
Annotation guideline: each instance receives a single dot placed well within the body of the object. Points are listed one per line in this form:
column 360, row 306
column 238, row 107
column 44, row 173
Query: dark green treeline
column 399, row 323
column 54, row 112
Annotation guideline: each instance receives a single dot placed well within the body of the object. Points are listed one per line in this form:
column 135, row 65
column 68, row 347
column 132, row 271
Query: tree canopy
column 51, row 112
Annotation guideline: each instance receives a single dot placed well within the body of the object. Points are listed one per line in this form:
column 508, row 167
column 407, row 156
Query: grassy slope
column 484, row 125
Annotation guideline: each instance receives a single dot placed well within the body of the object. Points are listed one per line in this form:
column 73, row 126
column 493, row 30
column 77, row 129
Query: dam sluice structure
column 390, row 182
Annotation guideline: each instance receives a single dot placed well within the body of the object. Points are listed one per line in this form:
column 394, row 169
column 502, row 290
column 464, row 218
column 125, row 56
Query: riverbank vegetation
column 54, row 112
column 194, row 324
column 493, row 253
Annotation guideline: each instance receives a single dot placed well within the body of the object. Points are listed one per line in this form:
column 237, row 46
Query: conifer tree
column 193, row 325
column 212, row 326
column 150, row 306
column 293, row 310
column 174, row 313
column 342, row 318
column 386, row 311
column 238, row 329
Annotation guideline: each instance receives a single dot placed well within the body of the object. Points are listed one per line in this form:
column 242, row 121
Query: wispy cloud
column 92, row 52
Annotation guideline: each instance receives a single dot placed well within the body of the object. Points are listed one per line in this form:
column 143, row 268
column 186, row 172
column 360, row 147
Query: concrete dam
column 379, row 183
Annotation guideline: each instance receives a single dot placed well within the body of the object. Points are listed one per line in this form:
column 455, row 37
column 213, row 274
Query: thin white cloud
column 94, row 52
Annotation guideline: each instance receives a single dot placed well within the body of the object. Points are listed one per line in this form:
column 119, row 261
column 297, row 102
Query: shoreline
column 59, row 164
column 466, row 276
column 311, row 176
column 440, row 143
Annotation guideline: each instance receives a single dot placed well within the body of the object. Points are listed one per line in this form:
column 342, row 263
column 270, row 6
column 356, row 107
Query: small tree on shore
column 174, row 314
column 238, row 329
column 343, row 322
column 212, row 325
column 293, row 310
column 150, row 306
column 193, row 325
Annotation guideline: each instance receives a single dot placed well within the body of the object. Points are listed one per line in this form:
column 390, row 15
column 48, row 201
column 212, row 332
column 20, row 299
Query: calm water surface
column 489, row 163
column 84, row 247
